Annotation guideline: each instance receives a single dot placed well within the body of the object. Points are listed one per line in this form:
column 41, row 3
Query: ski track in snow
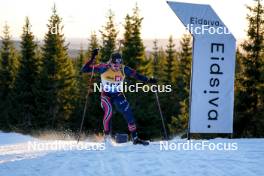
column 129, row 160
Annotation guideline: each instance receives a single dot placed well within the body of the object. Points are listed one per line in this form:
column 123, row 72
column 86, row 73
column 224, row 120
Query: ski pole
column 158, row 103
column 161, row 115
column 85, row 106
column 120, row 44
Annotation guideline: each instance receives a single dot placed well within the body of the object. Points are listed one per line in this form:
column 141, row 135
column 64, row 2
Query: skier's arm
column 133, row 73
column 89, row 67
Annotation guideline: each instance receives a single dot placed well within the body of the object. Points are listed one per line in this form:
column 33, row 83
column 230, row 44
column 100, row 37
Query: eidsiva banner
column 213, row 68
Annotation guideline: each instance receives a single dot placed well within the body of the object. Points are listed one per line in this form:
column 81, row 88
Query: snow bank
column 129, row 160
column 13, row 138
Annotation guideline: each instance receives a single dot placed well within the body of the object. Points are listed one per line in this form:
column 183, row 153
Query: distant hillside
column 73, row 49
column 75, row 45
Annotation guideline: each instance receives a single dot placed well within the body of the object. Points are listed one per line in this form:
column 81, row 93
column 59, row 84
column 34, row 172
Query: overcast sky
column 80, row 17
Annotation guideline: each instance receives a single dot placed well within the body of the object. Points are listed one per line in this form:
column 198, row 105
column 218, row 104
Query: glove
column 95, row 53
column 152, row 80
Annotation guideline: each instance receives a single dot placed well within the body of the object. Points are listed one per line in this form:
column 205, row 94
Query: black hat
column 116, row 58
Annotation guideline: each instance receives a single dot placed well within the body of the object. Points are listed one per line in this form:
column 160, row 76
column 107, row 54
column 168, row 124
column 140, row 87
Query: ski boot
column 136, row 141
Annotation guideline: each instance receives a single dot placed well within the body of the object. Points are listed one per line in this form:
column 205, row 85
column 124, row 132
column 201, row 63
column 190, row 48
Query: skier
column 113, row 74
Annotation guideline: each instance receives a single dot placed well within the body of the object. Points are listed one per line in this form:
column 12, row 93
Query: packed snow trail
column 129, row 160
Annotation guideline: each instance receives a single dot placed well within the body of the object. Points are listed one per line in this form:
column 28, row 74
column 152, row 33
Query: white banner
column 213, row 68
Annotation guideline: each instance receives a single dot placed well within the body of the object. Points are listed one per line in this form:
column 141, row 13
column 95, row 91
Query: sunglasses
column 118, row 61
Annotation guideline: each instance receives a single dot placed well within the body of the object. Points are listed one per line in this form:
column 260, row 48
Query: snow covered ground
column 18, row 157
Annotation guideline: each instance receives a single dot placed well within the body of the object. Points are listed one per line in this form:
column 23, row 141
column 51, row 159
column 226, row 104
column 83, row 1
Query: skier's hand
column 152, row 81
column 95, row 53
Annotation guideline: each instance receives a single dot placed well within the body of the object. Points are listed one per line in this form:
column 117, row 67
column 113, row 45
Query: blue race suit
column 109, row 77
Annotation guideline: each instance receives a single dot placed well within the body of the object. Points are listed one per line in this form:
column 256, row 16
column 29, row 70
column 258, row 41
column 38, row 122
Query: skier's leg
column 107, row 107
column 123, row 106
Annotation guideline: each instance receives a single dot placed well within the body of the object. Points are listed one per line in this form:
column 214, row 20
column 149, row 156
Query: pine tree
column 239, row 70
column 93, row 44
column 8, row 69
column 238, row 87
column 162, row 63
column 80, row 61
column 249, row 117
column 133, row 50
column 136, row 38
column 182, row 87
column 185, row 59
column 158, row 60
column 57, row 83
column 109, row 34
column 127, row 48
column 25, row 85
column 81, row 90
column 170, row 59
column 155, row 55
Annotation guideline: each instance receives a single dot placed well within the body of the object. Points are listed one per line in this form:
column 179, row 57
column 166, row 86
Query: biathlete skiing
column 112, row 75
